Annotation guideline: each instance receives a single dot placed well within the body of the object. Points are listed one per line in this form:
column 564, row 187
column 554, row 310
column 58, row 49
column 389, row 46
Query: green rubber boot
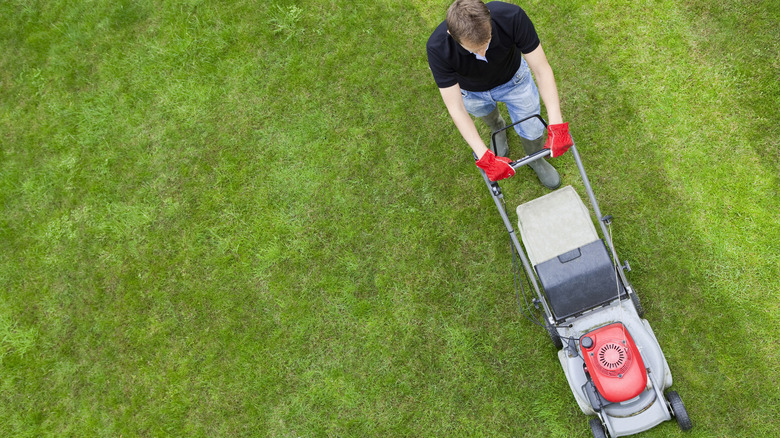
column 496, row 122
column 544, row 170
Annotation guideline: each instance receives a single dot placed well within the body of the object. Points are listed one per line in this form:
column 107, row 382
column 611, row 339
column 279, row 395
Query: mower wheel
column 556, row 340
column 678, row 409
column 596, row 428
column 637, row 305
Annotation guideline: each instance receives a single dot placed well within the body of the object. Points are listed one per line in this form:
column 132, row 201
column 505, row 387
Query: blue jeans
column 520, row 96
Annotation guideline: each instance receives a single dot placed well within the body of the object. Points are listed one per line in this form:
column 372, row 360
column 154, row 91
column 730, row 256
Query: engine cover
column 614, row 362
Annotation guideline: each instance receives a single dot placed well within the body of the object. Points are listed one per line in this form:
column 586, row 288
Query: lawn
column 257, row 219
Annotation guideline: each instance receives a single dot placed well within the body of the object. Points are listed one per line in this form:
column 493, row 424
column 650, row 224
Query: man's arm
column 463, row 121
column 495, row 168
column 545, row 81
column 558, row 137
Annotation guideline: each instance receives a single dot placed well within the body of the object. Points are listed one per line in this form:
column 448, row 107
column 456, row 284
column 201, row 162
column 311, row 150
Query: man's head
column 468, row 22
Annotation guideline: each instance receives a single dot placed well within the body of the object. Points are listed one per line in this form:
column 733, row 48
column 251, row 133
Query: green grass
column 257, row 219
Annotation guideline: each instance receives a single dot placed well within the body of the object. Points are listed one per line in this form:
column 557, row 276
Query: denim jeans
column 520, row 96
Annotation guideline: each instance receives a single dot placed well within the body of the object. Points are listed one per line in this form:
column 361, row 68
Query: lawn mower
column 610, row 356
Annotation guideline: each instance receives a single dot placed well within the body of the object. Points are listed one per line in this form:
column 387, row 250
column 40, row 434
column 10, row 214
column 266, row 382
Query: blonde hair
column 469, row 21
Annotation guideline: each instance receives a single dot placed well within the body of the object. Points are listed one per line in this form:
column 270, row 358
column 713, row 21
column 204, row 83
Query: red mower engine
column 614, row 363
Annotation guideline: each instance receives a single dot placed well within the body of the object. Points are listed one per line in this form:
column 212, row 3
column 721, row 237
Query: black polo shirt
column 513, row 34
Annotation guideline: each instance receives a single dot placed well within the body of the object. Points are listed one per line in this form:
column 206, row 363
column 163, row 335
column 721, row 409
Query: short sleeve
column 525, row 35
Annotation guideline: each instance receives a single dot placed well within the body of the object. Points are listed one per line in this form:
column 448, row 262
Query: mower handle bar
column 528, row 158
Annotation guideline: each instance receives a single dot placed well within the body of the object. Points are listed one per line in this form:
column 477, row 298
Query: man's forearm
column 463, row 121
column 468, row 130
column 548, row 91
column 545, row 82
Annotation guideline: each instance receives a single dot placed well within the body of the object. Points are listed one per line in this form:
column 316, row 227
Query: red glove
column 496, row 168
column 558, row 139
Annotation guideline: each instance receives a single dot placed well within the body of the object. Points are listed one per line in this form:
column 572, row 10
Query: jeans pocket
column 522, row 73
column 520, row 76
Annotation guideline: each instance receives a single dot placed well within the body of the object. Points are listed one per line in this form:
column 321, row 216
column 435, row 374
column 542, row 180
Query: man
column 483, row 54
